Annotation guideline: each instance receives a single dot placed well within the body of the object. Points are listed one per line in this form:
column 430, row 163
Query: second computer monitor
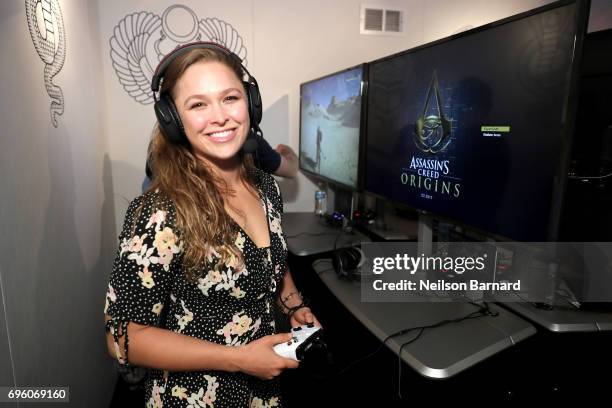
column 330, row 127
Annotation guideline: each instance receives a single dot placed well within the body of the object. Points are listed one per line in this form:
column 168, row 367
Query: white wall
column 56, row 222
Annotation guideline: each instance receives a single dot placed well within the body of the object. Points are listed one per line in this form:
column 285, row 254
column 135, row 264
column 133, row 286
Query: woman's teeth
column 225, row 133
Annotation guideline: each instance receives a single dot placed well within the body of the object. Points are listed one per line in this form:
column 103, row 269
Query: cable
column 590, row 177
column 337, row 238
column 327, row 261
column 318, row 261
column 483, row 310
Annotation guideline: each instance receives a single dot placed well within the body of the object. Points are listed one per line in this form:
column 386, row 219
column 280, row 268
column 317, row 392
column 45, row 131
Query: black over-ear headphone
column 347, row 262
column 167, row 114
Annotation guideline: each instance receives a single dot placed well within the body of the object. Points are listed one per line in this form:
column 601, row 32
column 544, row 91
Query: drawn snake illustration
column 50, row 43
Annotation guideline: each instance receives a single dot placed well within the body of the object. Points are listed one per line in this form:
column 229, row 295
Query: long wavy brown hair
column 196, row 192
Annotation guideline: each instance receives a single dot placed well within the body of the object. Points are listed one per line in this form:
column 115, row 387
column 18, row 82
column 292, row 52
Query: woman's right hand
column 258, row 358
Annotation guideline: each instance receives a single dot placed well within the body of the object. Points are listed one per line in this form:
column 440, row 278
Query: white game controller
column 303, row 338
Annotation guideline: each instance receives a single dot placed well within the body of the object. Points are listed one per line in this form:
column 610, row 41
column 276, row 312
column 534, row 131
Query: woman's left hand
column 303, row 316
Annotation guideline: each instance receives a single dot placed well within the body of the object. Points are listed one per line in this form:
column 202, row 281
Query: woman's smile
column 222, row 136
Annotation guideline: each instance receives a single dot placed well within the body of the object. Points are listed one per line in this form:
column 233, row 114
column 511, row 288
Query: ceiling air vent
column 393, row 21
column 378, row 20
column 373, row 20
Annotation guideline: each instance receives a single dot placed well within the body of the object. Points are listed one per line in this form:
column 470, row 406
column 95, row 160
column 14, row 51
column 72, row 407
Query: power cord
column 323, row 260
column 483, row 311
column 590, row 177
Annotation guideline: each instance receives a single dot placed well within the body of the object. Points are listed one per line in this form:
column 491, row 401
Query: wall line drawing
column 46, row 25
column 140, row 40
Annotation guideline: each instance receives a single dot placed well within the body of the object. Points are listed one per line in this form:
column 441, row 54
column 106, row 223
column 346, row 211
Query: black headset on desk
column 347, row 262
column 168, row 116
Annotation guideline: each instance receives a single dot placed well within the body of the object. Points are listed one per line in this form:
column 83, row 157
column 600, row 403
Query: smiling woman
column 202, row 260
column 212, row 104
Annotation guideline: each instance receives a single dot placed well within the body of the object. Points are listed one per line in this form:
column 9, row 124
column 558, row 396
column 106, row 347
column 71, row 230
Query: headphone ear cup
column 337, row 263
column 169, row 120
column 352, row 260
column 346, row 262
column 254, row 101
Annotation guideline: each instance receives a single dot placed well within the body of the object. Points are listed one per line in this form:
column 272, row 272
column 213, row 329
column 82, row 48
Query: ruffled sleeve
column 147, row 263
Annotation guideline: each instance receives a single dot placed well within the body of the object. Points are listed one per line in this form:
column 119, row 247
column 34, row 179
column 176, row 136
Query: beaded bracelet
column 289, row 296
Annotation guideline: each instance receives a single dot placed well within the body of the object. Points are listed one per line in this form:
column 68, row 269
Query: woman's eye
column 231, row 98
column 197, row 105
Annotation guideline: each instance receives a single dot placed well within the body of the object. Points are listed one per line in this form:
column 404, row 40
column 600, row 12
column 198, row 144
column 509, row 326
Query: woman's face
column 212, row 104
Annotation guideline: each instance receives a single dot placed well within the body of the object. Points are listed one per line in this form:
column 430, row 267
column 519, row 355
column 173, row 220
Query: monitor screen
column 474, row 127
column 330, row 127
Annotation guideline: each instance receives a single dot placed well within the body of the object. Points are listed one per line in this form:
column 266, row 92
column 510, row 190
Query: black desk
column 439, row 353
column 307, row 234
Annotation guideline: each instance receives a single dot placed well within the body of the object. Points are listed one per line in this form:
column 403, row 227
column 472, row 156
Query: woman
column 202, row 257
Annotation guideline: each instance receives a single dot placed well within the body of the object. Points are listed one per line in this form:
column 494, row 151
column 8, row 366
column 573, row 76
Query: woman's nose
column 218, row 114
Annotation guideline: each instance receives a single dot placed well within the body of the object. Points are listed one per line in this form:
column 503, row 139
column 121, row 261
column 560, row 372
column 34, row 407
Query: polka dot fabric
column 230, row 304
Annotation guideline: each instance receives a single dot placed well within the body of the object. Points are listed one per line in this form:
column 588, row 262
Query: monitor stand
column 425, row 234
column 389, row 234
column 402, row 230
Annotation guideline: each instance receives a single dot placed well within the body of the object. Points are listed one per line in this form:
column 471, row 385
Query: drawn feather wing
column 128, row 45
column 220, row 32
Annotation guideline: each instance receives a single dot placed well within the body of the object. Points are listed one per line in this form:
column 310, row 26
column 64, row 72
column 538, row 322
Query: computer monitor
column 586, row 213
column 477, row 127
column 331, row 127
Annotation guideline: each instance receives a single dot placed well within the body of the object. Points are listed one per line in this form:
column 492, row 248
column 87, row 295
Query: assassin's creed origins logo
column 432, row 135
column 432, row 132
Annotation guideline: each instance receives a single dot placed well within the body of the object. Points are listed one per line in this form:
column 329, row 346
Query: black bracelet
column 292, row 310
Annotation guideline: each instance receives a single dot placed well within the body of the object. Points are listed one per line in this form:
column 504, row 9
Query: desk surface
column 441, row 352
column 564, row 320
column 308, row 234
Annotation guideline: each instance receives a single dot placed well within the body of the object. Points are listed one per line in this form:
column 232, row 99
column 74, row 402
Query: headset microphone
column 250, row 144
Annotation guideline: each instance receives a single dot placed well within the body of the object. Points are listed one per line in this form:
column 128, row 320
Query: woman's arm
column 163, row 349
column 289, row 162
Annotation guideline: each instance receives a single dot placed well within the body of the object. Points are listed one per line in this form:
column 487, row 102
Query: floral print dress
column 230, row 304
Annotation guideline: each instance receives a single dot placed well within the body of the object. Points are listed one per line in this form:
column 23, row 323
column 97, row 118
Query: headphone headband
column 178, row 51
